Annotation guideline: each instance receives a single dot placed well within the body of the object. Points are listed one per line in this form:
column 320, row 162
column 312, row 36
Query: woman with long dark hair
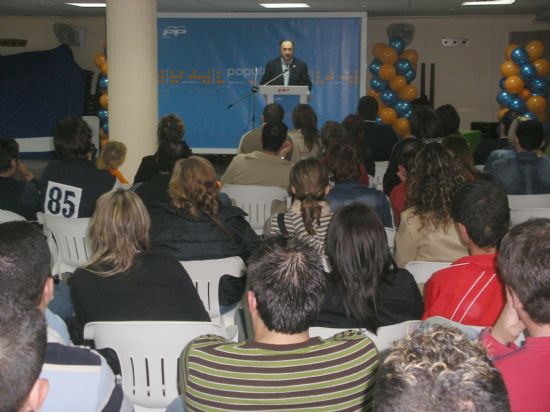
column 305, row 137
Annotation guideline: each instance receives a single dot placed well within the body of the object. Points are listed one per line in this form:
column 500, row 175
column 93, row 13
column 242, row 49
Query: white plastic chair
column 390, row 234
column 206, row 275
column 148, row 353
column 68, row 241
column 256, row 201
column 8, row 216
column 384, row 337
column 528, row 201
column 379, row 170
column 422, row 271
column 518, row 216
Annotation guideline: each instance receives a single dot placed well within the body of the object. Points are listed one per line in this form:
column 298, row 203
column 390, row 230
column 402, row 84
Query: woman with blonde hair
column 111, row 157
column 124, row 280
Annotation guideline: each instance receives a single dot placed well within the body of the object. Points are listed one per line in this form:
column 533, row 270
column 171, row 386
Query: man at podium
column 286, row 70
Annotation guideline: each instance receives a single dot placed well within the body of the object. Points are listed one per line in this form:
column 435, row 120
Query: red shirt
column 468, row 292
column 397, row 201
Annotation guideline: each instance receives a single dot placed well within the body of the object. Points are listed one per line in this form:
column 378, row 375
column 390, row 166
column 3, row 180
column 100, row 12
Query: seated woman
column 305, row 138
column 366, row 288
column 426, row 231
column 123, row 279
column 309, row 216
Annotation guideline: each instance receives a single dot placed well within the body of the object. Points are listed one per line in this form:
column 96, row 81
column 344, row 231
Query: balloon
column 402, row 107
column 99, row 59
column 403, row 66
column 388, row 97
column 502, row 112
column 104, row 101
column 398, row 83
column 517, row 105
column 509, row 50
column 388, row 55
column 501, row 83
column 541, row 117
column 509, row 68
column 398, row 44
column 377, row 49
column 408, row 93
column 374, row 67
column 103, row 115
column 542, row 66
column 538, row 85
column 102, row 136
column 378, row 120
column 503, row 98
column 388, row 115
column 103, row 83
column 514, row 84
column 536, row 104
column 519, row 55
column 105, row 127
column 408, row 115
column 401, row 126
column 387, row 71
column 527, row 71
column 374, row 93
column 525, row 94
column 410, row 75
column 378, row 84
column 534, row 49
column 410, row 55
column 530, row 115
column 104, row 68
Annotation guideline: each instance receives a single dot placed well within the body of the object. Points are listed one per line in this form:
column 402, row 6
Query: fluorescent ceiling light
column 87, row 4
column 487, row 2
column 284, row 5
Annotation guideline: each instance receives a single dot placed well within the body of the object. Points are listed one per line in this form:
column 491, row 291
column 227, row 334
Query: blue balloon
column 379, row 120
column 539, row 85
column 530, row 115
column 501, row 83
column 410, row 75
column 519, row 55
column 103, row 83
column 378, row 84
column 103, row 115
column 402, row 107
column 527, row 71
column 517, row 105
column 398, row 44
column 408, row 115
column 403, row 66
column 503, row 98
column 105, row 127
column 374, row 67
column 388, row 97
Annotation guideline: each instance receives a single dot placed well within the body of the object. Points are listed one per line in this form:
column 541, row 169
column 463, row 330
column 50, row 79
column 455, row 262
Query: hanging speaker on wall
column 404, row 30
column 70, row 35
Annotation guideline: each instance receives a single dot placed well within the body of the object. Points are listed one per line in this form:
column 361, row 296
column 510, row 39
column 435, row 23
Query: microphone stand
column 255, row 89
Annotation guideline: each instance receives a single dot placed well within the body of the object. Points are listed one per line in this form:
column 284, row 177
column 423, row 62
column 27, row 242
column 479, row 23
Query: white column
column 133, row 90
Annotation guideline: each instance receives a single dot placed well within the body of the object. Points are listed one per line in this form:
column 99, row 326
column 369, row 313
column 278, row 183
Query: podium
column 270, row 91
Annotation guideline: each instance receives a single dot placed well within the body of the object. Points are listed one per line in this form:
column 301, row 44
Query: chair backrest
column 422, row 271
column 256, row 201
column 68, row 240
column 379, row 170
column 383, row 338
column 148, row 353
column 518, row 216
column 390, row 234
column 528, row 201
column 206, row 274
column 8, row 216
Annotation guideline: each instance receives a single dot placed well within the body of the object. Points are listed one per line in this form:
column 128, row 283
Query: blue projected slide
column 205, row 64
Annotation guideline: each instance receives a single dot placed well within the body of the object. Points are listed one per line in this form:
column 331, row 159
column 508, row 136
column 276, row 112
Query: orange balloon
column 387, row 71
column 535, row 49
column 388, row 115
column 103, row 137
column 509, row 49
column 99, row 59
column 398, row 83
column 374, row 93
column 105, row 68
column 409, row 92
column 509, row 68
column 388, row 55
column 542, row 66
column 401, row 127
column 541, row 117
column 502, row 112
column 536, row 104
column 514, row 84
column 410, row 55
column 377, row 49
column 104, row 101
column 525, row 94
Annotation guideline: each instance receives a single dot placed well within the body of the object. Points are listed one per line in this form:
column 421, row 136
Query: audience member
column 426, row 231
column 170, row 132
column 17, row 196
column 425, row 124
column 524, row 264
column 111, row 157
column 343, row 163
column 264, row 168
column 22, row 352
column 526, row 173
column 439, row 370
column 459, row 147
column 449, row 120
column 355, row 128
column 366, row 289
column 380, row 139
column 470, row 291
column 251, row 141
column 289, row 369
column 305, row 138
column 487, row 145
column 71, row 183
column 509, row 150
column 124, row 280
column 331, row 130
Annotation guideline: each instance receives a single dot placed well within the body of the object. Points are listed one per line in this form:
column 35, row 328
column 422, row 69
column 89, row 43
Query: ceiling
column 541, row 8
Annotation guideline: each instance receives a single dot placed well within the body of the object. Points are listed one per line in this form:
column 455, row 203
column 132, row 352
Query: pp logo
column 173, row 31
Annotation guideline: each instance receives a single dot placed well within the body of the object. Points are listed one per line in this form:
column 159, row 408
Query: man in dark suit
column 292, row 71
